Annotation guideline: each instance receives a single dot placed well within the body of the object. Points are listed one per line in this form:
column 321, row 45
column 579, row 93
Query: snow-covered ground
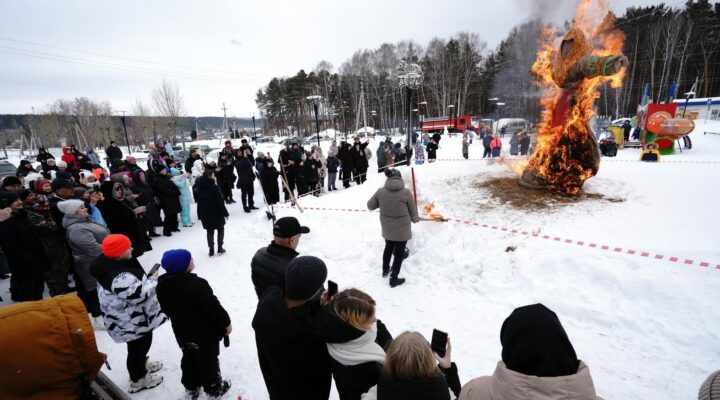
column 648, row 328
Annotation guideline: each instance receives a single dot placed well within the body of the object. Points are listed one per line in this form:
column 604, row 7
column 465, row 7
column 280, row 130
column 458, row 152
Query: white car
column 620, row 121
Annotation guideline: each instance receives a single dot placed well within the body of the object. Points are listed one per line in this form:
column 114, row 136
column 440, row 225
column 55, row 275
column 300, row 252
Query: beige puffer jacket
column 506, row 384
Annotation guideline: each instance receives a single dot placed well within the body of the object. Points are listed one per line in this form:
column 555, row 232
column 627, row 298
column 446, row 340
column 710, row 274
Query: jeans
column 137, row 355
column 396, row 250
column 332, row 177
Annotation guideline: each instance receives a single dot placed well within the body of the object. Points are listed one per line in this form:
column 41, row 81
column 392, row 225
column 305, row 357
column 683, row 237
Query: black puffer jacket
column 268, row 267
column 195, row 313
column 245, row 172
column 120, row 218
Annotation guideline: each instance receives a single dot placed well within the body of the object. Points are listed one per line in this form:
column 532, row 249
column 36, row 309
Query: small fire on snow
column 430, row 212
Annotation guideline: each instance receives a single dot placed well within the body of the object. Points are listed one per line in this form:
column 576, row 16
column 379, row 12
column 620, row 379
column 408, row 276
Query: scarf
column 358, row 351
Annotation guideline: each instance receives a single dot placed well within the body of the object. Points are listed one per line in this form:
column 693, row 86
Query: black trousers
column 88, row 297
column 247, row 192
column 346, row 177
column 290, row 182
column 201, row 368
column 170, row 223
column 396, row 250
column 211, row 236
column 487, row 152
column 27, row 287
column 137, row 355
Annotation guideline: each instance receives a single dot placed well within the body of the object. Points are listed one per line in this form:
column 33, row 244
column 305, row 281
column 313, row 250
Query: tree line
column 664, row 44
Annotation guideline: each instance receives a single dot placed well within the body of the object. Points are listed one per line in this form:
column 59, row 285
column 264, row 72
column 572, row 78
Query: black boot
column 395, row 281
column 220, row 249
column 386, row 272
column 212, row 251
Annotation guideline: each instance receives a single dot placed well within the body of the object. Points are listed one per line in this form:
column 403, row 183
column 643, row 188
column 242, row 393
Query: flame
column 430, row 212
column 560, row 158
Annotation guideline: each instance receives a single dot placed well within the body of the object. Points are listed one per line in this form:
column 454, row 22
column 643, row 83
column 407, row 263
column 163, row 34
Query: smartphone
column 153, row 270
column 332, row 288
column 439, row 342
column 226, row 341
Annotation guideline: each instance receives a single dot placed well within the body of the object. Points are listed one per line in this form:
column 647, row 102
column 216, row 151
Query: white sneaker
column 148, row 381
column 97, row 323
column 153, row 366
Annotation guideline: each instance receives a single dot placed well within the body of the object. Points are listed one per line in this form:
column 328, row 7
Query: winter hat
column 24, row 193
column 39, row 185
column 60, row 183
column 61, row 164
column 392, row 172
column 69, row 207
column 7, row 198
column 535, row 343
column 30, row 178
column 176, row 261
column 710, row 389
column 114, row 245
column 305, row 277
column 11, row 180
column 63, row 175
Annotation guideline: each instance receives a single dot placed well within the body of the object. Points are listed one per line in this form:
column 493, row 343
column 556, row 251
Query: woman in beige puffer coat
column 538, row 362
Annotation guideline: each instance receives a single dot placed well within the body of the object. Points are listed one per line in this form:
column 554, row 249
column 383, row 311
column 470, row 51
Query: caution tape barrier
column 593, row 245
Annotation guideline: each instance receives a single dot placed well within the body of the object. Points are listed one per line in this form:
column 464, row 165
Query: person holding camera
column 397, row 211
column 198, row 321
column 123, row 218
column 413, row 371
column 130, row 308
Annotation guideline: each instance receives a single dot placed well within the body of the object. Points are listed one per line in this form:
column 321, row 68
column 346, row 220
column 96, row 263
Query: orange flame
column 555, row 160
column 430, row 212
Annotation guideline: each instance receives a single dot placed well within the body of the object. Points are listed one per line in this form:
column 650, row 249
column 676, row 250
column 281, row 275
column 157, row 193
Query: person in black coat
column 269, row 181
column 24, row 169
column 211, row 209
column 356, row 364
column 432, row 150
column 198, row 320
column 146, row 199
column 524, row 143
column 113, row 152
column 121, row 217
column 225, row 175
column 486, row 146
column 413, row 371
column 346, row 162
column 291, row 334
column 360, row 161
column 194, row 156
column 169, row 196
column 269, row 264
column 23, row 250
column 244, row 162
column 43, row 156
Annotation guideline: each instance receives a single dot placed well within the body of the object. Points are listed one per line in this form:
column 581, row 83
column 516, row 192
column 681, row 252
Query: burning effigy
column 566, row 154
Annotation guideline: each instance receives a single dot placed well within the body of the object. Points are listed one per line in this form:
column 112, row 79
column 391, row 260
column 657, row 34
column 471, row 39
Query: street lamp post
column 493, row 101
column 450, row 111
column 410, row 77
column 254, row 138
column 315, row 100
column 127, row 140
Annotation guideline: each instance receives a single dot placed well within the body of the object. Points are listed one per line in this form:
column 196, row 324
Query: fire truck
column 453, row 124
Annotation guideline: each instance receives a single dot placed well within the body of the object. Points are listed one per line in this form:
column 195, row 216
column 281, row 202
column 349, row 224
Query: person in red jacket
column 495, row 145
column 70, row 160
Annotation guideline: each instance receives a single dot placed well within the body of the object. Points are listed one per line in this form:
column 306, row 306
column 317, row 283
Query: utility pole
column 254, row 137
column 224, row 127
column 127, row 140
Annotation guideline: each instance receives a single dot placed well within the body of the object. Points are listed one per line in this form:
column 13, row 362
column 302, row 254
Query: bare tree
column 168, row 101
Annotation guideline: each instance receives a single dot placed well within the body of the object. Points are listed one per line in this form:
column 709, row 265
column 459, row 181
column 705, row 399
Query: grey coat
column 85, row 239
column 397, row 209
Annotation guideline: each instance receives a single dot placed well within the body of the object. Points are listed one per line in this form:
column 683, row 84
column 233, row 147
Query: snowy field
column 648, row 328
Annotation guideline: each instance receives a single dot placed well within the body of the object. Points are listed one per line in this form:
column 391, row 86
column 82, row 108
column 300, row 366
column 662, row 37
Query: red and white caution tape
column 619, row 250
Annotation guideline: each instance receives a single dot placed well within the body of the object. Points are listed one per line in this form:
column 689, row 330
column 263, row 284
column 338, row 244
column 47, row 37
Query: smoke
column 554, row 12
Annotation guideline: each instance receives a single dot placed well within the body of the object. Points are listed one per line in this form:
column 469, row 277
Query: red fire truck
column 453, row 124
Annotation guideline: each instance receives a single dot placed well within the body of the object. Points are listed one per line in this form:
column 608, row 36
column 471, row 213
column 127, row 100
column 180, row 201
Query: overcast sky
column 218, row 51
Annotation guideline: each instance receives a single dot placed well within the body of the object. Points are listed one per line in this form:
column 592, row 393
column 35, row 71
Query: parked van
column 512, row 125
